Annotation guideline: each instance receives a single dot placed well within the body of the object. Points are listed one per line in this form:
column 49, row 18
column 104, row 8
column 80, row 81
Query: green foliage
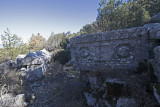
column 13, row 46
column 115, row 14
column 37, row 42
column 58, row 41
column 10, row 41
column 89, row 29
column 62, row 56
column 72, row 35
column 152, row 6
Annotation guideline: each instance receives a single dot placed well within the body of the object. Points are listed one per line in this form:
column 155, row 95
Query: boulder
column 45, row 54
column 35, row 64
column 38, row 61
column 27, row 60
column 156, row 62
column 8, row 100
column 36, row 58
column 156, row 93
column 157, row 54
column 126, row 102
column 91, row 101
column 36, row 74
column 33, row 73
column 153, row 31
column 156, row 18
column 20, row 100
column 19, row 59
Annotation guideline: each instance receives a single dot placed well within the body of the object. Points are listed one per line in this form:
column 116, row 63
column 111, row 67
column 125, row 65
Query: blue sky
column 27, row 17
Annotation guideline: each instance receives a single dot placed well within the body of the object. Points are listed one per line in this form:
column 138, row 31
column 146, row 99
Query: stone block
column 156, row 18
column 153, row 30
column 126, row 102
column 116, row 50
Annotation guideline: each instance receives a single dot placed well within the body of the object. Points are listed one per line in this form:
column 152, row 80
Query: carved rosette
column 123, row 50
column 124, row 53
column 84, row 52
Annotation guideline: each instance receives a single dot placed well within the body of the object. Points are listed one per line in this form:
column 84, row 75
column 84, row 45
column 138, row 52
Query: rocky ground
column 122, row 90
column 61, row 87
column 58, row 86
column 36, row 81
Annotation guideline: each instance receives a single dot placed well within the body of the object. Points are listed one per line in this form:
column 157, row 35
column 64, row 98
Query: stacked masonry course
column 114, row 50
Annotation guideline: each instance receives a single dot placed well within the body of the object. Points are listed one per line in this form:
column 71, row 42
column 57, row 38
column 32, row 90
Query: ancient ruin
column 109, row 61
column 114, row 50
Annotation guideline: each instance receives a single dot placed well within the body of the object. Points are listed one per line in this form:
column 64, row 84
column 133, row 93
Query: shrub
column 58, row 41
column 62, row 56
column 37, row 42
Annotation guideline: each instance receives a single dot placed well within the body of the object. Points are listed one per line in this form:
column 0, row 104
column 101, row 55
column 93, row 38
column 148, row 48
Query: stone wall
column 121, row 67
column 116, row 50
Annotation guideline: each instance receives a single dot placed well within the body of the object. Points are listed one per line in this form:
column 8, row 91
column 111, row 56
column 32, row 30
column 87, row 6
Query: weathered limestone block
column 27, row 60
column 91, row 101
column 156, row 92
column 153, row 30
column 157, row 54
column 19, row 59
column 156, row 62
column 116, row 50
column 126, row 102
column 156, row 18
column 44, row 54
column 34, row 58
column 108, row 94
column 35, row 64
column 35, row 75
column 8, row 100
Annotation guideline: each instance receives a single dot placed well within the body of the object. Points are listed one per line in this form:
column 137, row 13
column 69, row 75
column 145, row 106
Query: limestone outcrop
column 8, row 100
column 33, row 65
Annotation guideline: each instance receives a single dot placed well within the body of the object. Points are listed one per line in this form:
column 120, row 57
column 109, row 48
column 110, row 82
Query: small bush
column 62, row 56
